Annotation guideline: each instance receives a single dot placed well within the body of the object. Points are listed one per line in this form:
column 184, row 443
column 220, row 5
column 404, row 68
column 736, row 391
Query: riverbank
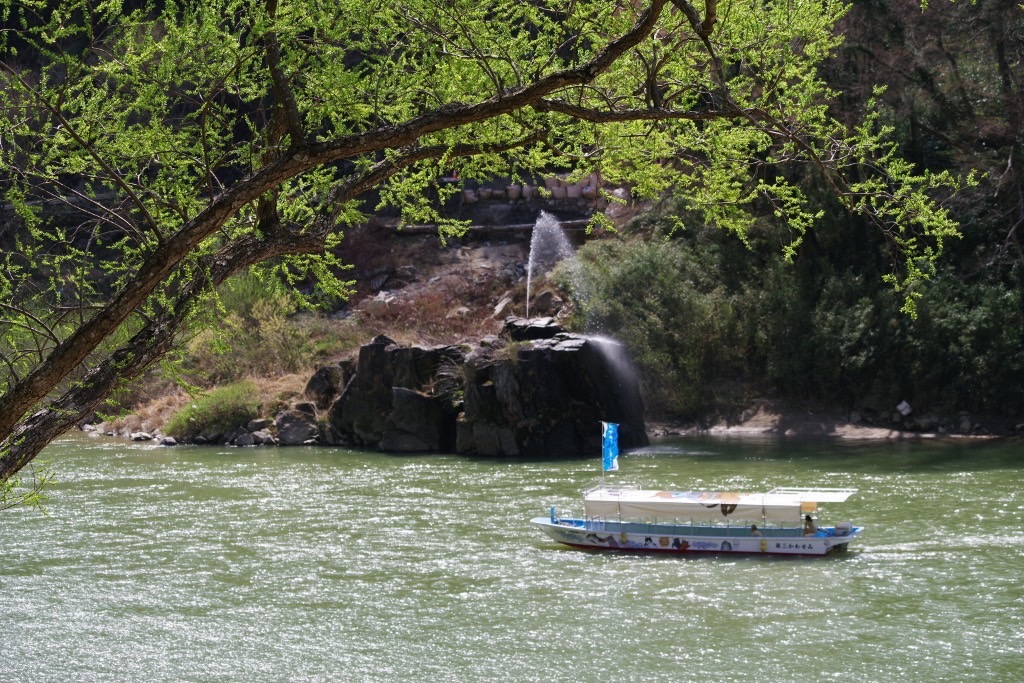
column 762, row 418
column 421, row 293
column 774, row 418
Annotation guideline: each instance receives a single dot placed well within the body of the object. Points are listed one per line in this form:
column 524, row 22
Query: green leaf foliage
column 27, row 490
column 713, row 322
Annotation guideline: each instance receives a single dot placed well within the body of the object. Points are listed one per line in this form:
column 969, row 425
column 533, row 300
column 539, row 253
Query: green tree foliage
column 27, row 489
column 665, row 304
column 954, row 77
column 253, row 328
column 711, row 325
column 185, row 141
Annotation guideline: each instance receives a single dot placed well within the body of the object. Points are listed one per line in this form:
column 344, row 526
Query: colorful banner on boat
column 610, row 446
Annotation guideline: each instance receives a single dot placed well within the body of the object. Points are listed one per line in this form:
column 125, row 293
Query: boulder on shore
column 296, row 427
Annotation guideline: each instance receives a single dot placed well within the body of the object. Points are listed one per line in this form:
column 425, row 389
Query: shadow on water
column 938, row 455
column 527, row 458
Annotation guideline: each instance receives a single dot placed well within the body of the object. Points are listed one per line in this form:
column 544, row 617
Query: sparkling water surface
column 317, row 564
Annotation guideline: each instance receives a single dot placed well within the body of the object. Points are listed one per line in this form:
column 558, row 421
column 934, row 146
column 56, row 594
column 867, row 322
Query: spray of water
column 616, row 355
column 549, row 246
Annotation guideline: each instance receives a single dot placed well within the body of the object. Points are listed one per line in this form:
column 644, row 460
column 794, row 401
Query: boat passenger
column 754, row 531
column 810, row 528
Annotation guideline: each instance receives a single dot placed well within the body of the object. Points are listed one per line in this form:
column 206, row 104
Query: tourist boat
column 628, row 518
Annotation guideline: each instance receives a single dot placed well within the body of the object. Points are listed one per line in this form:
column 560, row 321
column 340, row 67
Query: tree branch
column 703, row 28
column 152, row 341
column 156, row 336
column 651, row 114
column 90, row 150
column 283, row 94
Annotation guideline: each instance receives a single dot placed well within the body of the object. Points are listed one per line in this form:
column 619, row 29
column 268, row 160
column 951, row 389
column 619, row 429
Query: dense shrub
column 680, row 326
column 709, row 324
column 966, row 349
column 257, row 331
column 220, row 411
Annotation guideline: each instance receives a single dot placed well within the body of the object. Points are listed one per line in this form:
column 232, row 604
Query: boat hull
column 658, row 538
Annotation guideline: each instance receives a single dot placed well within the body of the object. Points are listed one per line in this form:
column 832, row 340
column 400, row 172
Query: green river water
column 316, row 564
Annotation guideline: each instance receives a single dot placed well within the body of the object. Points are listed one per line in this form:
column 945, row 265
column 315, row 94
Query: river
column 317, row 564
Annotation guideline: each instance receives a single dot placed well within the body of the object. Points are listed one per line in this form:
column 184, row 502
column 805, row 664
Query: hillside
column 420, row 291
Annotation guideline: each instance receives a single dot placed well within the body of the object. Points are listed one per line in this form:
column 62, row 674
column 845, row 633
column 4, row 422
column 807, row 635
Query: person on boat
column 810, row 528
column 754, row 531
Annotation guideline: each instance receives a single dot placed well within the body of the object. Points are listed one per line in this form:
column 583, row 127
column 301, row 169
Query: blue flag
column 610, row 446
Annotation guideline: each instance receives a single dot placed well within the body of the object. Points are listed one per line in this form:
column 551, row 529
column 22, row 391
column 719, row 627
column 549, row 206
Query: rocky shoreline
column 763, row 418
column 775, row 418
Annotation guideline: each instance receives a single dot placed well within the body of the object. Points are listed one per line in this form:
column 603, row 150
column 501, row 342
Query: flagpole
column 604, row 429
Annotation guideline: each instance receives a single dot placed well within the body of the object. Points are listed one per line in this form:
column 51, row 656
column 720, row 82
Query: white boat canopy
column 786, row 505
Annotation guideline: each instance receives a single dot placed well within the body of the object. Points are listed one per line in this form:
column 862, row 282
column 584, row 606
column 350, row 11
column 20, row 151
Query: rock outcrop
column 543, row 393
column 295, row 428
column 534, row 392
column 365, row 412
column 323, row 387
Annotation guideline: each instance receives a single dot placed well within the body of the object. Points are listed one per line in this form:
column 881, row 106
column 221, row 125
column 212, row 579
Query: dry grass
column 447, row 312
column 150, row 415
column 276, row 393
column 450, row 303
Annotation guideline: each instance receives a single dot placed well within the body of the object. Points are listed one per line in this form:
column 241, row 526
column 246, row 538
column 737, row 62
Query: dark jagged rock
column 295, row 427
column 307, row 407
column 522, row 329
column 258, row 424
column 327, row 383
column 362, row 408
column 551, row 397
column 362, row 413
column 545, row 396
column 262, row 437
column 245, row 440
column 545, row 303
column 418, row 422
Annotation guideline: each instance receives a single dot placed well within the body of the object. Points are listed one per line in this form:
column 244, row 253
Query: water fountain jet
column 549, row 246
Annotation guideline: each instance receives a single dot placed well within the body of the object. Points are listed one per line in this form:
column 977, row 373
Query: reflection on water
column 196, row 564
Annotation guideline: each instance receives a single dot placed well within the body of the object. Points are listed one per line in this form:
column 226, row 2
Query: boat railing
column 694, row 528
